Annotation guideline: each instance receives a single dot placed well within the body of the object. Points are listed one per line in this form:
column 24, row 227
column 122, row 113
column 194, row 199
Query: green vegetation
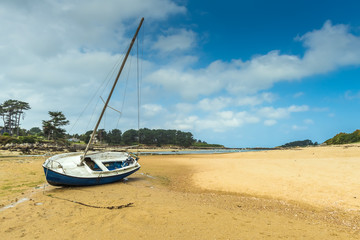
column 35, row 131
column 163, row 180
column 158, row 137
column 5, row 139
column 18, row 187
column 20, row 139
column 52, row 128
column 303, row 143
column 344, row 138
column 12, row 111
column 200, row 144
column 144, row 136
column 149, row 137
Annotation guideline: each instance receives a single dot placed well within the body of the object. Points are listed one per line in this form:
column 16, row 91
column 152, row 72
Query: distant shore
column 41, row 148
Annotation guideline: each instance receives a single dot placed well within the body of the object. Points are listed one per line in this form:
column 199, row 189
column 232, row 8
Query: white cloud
column 187, row 84
column 294, row 108
column 308, row 121
column 220, row 103
column 270, row 122
column 184, row 107
column 255, row 99
column 217, row 121
column 323, row 109
column 187, row 123
column 176, row 40
column 150, row 110
column 215, row 104
column 56, row 53
column 273, row 113
column 298, row 94
column 278, row 113
column 327, row 49
column 298, row 128
column 48, row 28
column 330, row 47
column 349, row 95
column 215, row 115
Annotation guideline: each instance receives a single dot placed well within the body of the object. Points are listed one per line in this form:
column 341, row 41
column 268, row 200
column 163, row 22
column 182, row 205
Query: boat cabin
column 109, row 165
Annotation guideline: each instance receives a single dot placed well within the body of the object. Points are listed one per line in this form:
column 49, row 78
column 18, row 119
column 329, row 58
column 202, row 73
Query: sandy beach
column 302, row 193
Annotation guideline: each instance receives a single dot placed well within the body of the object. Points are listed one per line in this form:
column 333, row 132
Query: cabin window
column 113, row 165
column 118, row 164
column 91, row 164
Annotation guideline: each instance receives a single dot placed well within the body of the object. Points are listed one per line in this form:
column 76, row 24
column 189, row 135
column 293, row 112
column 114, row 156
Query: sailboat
column 92, row 168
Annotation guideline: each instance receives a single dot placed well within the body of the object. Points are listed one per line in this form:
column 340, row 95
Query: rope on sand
column 92, row 206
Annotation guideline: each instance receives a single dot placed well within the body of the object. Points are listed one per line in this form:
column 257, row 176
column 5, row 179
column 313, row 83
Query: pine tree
column 52, row 128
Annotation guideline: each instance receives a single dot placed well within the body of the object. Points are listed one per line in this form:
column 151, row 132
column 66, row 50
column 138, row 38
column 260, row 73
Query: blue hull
column 58, row 179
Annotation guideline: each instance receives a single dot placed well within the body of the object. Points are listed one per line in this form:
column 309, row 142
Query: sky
column 246, row 73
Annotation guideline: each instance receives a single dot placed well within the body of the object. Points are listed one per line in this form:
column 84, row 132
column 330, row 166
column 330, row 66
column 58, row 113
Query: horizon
column 239, row 74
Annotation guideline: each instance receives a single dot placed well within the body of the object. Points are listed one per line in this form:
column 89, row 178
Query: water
column 210, row 151
column 14, row 204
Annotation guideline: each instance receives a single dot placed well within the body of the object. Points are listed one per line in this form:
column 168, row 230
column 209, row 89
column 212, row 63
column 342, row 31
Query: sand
column 324, row 177
column 309, row 193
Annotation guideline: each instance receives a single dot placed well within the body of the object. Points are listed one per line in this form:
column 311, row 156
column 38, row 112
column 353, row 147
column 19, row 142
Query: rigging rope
column 138, row 89
column 124, row 95
column 105, row 80
column 103, row 86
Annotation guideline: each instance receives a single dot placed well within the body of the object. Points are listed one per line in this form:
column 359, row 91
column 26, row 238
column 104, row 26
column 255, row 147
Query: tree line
column 154, row 137
column 302, row 143
column 340, row 138
column 344, row 138
column 12, row 112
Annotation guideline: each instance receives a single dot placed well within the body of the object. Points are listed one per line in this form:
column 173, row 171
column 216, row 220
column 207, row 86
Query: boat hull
column 59, row 179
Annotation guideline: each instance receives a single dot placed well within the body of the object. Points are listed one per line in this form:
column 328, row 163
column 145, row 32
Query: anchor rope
column 93, row 206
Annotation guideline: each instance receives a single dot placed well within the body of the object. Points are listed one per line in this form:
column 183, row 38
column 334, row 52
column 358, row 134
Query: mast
column 112, row 90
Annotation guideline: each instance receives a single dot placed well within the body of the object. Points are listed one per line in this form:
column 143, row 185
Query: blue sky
column 238, row 73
